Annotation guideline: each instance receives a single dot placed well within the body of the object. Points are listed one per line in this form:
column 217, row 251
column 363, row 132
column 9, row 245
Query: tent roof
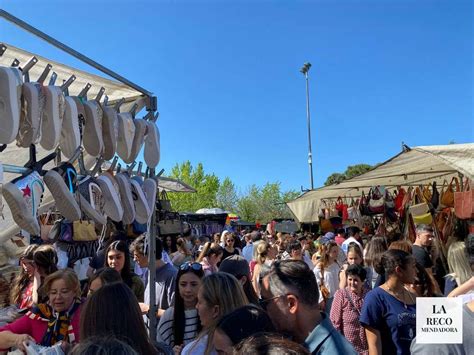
column 419, row 165
column 113, row 89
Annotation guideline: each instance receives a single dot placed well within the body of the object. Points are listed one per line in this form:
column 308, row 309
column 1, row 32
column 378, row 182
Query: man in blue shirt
column 290, row 294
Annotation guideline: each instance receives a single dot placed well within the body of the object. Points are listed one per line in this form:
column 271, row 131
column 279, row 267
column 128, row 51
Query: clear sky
column 230, row 94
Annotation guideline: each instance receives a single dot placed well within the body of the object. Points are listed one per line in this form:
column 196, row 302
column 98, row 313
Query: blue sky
column 230, row 94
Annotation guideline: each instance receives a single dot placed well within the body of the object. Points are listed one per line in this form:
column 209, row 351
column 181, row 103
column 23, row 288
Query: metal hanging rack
column 151, row 107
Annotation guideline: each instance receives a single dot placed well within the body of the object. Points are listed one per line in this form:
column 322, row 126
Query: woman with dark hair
column 117, row 256
column 238, row 325
column 182, row 255
column 210, row 256
column 169, row 245
column 102, row 277
column 237, row 266
column 180, row 324
column 347, row 305
column 424, row 285
column 45, row 260
column 113, row 311
column 21, row 292
column 389, row 311
column 51, row 322
column 263, row 344
column 372, row 255
column 103, row 346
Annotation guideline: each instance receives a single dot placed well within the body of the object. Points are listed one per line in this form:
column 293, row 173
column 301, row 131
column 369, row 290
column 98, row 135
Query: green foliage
column 206, row 186
column 351, row 171
column 256, row 203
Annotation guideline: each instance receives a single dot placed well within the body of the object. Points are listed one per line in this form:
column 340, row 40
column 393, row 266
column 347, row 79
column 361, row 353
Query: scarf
column 59, row 323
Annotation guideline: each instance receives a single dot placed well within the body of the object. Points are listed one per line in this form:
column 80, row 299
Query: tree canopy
column 255, row 203
column 351, row 171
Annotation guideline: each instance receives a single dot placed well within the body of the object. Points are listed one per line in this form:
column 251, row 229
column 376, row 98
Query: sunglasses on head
column 189, row 266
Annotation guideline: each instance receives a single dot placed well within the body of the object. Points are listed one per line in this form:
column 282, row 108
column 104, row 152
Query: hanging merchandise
column 10, row 95
column 464, row 202
column 91, row 201
column 434, row 196
column 420, row 210
column 70, row 139
column 125, row 189
column 138, row 140
column 92, row 133
column 126, row 133
column 110, row 189
column 376, row 200
column 152, row 150
column 447, row 196
column 53, row 116
column 109, row 130
column 84, row 231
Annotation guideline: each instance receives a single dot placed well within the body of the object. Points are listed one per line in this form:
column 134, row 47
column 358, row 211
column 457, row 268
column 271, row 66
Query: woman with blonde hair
column 51, row 322
column 182, row 255
column 219, row 294
column 262, row 250
column 327, row 274
column 459, row 267
column 210, row 256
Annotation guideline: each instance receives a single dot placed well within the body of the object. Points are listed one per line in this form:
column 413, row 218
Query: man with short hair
column 290, row 294
column 247, row 250
column 165, row 277
column 420, row 250
column 354, row 237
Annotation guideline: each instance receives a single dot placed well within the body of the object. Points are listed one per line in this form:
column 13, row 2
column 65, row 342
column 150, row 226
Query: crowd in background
column 244, row 293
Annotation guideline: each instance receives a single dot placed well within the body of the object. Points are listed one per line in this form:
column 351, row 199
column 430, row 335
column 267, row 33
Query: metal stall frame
column 151, row 107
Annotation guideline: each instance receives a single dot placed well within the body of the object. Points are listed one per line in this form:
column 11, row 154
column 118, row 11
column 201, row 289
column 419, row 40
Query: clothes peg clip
column 155, row 117
column 83, row 93
column 82, row 167
column 97, row 166
column 68, row 83
column 99, row 94
column 148, row 116
column 45, row 73
column 3, row 48
column 75, row 155
column 53, row 78
column 147, row 172
column 133, row 110
column 130, row 168
column 160, row 173
column 139, row 170
column 15, row 63
column 106, row 101
column 114, row 163
column 29, row 65
column 119, row 168
column 118, row 104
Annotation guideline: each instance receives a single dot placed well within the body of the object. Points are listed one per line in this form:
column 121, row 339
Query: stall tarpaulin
column 412, row 167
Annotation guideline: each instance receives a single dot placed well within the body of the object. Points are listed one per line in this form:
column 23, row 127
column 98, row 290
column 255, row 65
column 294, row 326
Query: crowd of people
column 243, row 293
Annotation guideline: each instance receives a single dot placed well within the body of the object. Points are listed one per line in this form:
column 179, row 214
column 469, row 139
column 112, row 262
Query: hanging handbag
column 163, row 203
column 84, row 231
column 322, row 288
column 427, row 195
column 434, row 196
column 364, row 205
column 170, row 226
column 333, row 212
column 421, row 213
column 326, row 225
column 399, row 198
column 54, row 232
column 464, row 203
column 376, row 201
column 46, row 224
column 65, row 234
column 447, row 197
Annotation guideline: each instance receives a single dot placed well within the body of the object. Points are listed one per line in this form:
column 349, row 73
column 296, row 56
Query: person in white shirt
column 354, row 237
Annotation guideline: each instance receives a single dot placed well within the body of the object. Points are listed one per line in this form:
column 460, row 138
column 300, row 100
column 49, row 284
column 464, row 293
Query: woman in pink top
column 51, row 322
column 210, row 256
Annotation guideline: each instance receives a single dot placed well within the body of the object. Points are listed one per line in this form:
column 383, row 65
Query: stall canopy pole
column 151, row 106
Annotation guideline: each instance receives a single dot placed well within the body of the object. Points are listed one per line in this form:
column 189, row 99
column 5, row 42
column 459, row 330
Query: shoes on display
column 126, row 133
column 149, row 188
column 70, row 138
column 53, row 115
column 23, row 196
column 92, row 132
column 90, row 200
column 142, row 210
column 10, row 103
column 126, row 197
column 152, row 145
column 138, row 140
column 32, row 110
column 61, row 181
column 112, row 203
column 109, row 132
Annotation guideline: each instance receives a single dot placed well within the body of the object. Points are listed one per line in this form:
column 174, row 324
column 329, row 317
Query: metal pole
column 305, row 70
column 9, row 17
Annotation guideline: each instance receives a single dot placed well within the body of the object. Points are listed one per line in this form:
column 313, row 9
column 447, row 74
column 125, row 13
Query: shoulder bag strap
column 351, row 301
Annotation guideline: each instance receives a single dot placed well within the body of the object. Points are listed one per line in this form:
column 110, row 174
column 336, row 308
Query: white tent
column 411, row 167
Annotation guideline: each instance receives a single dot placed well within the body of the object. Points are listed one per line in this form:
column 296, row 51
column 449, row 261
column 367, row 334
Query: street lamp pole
column 305, row 70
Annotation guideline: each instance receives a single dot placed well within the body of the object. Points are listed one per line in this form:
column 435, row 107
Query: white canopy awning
column 419, row 165
column 113, row 89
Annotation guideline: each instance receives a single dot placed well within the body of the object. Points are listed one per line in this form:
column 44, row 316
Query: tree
column 206, row 186
column 351, row 171
column 227, row 197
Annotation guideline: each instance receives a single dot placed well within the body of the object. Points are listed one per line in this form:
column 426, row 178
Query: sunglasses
column 230, row 240
column 263, row 302
column 190, row 266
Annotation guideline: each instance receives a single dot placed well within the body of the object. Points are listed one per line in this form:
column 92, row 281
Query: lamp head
column 305, row 68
